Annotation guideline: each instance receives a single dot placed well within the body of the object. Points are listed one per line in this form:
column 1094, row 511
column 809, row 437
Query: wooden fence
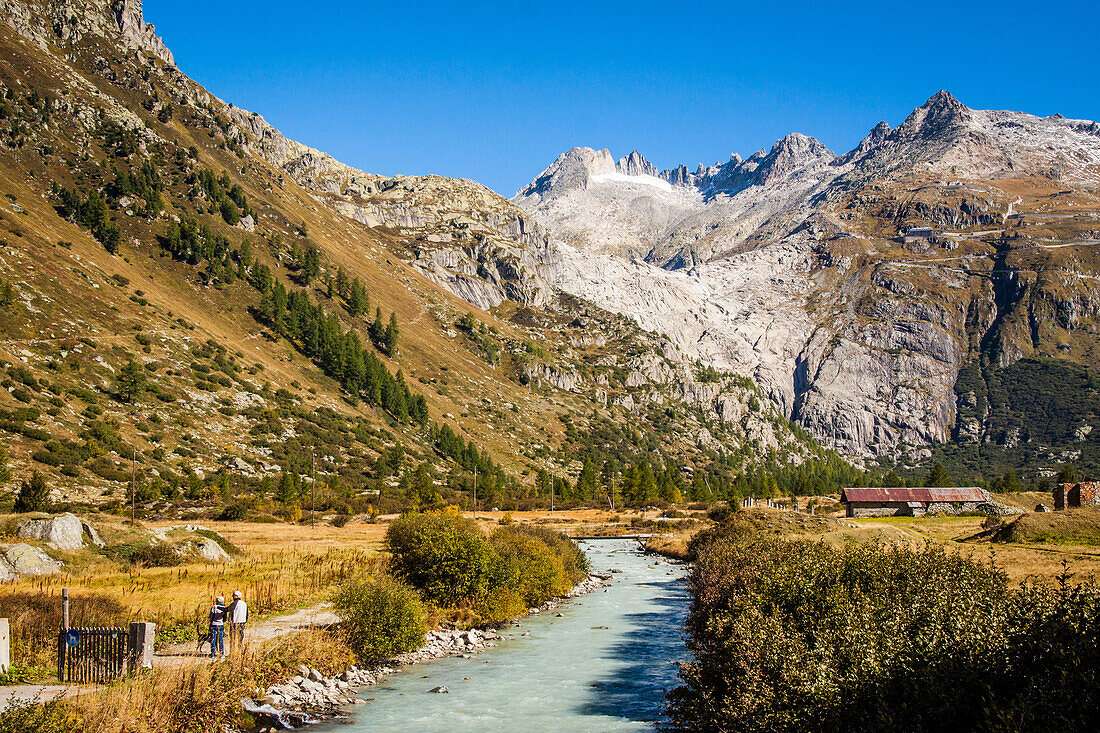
column 91, row 655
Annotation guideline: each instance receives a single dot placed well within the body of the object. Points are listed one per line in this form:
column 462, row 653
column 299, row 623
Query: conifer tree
column 389, row 337
column 34, row 496
column 130, row 381
column 938, row 476
column 342, row 283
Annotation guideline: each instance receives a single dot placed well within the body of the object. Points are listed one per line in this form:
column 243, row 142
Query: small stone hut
column 915, row 502
column 1071, row 496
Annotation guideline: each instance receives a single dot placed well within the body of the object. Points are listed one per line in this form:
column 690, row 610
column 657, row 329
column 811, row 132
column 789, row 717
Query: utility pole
column 133, row 489
column 313, row 491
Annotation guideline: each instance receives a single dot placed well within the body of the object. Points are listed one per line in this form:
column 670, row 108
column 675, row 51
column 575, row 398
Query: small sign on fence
column 97, row 655
column 91, row 655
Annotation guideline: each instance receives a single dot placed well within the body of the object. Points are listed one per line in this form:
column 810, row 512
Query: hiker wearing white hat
column 237, row 616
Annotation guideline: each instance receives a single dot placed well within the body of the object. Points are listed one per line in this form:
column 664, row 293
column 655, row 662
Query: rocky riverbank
column 310, row 697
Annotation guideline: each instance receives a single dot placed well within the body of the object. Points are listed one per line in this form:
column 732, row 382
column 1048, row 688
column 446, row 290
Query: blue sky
column 495, row 91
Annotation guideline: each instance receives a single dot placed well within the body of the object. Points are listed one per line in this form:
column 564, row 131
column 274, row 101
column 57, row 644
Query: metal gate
column 91, row 655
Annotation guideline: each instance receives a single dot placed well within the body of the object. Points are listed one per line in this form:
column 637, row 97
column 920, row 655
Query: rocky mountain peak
column 132, row 26
column 68, row 20
column 636, row 165
column 793, row 152
column 573, row 169
column 942, row 113
column 874, row 138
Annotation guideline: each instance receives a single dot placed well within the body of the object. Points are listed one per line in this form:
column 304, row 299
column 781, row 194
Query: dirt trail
column 188, row 653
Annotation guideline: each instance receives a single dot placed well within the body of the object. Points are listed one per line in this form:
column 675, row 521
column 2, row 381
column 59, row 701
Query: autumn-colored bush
column 798, row 635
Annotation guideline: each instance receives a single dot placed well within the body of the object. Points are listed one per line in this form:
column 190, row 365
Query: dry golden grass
column 281, row 568
column 1020, row 560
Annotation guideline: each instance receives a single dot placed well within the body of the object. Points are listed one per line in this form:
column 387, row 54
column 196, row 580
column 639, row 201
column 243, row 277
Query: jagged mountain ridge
column 786, row 266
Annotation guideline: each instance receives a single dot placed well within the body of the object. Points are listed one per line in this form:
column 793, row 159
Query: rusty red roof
column 922, row 495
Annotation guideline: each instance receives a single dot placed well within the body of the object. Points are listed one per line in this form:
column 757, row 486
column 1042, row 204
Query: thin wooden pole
column 133, row 487
column 313, row 491
column 475, row 492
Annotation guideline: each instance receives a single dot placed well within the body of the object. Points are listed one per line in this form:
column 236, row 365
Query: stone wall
column 879, row 509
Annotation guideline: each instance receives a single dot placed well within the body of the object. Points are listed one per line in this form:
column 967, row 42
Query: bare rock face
column 137, row 32
column 61, row 533
column 743, row 263
column 68, row 20
column 26, row 559
column 212, row 551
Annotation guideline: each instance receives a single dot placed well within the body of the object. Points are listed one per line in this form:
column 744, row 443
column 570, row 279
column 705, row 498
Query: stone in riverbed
column 441, row 690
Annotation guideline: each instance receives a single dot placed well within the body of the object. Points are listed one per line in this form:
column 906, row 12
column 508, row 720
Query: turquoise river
column 601, row 662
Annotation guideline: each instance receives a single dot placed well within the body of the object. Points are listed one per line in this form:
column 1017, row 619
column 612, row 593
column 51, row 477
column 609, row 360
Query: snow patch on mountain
column 636, row 180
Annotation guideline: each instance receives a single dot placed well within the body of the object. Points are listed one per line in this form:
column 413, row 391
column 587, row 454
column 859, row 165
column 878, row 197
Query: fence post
column 140, row 648
column 5, row 645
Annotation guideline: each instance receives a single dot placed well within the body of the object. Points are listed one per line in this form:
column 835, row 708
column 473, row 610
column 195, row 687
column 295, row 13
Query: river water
column 604, row 664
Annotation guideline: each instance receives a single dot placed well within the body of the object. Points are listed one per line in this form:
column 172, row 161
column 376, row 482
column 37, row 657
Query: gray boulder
column 239, row 465
column 28, row 560
column 93, row 535
column 64, row 532
column 209, row 549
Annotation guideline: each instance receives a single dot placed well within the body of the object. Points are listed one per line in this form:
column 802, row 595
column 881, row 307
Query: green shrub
column 528, row 566
column 797, row 635
column 45, row 456
column 157, row 556
column 22, row 716
column 501, row 604
column 381, row 617
column 447, row 558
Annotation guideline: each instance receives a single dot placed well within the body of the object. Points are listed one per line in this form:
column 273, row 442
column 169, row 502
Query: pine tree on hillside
column 389, row 337
column 341, row 283
column 130, row 382
column 938, row 476
column 34, row 496
column 1068, row 474
column 358, row 302
column 311, row 263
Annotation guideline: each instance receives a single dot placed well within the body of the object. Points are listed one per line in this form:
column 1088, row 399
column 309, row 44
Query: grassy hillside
column 179, row 316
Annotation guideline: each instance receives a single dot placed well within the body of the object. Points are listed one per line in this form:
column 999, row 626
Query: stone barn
column 898, row 502
column 1071, row 496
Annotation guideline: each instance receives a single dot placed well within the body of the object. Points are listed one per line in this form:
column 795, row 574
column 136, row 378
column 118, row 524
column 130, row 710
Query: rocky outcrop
column 636, row 165
column 211, row 551
column 63, row 21
column 64, row 532
column 136, row 32
column 549, row 374
column 24, row 559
